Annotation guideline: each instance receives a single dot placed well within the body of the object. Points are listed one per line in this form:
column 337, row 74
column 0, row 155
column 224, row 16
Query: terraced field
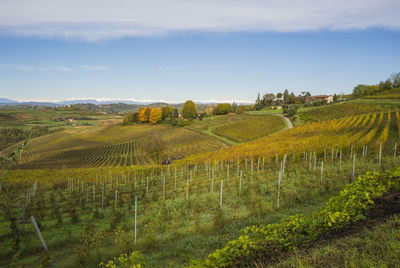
column 357, row 130
column 250, row 128
column 175, row 142
column 336, row 111
column 214, row 121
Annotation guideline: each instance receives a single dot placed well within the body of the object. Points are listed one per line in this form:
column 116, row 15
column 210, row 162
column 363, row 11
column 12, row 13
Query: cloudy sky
column 179, row 49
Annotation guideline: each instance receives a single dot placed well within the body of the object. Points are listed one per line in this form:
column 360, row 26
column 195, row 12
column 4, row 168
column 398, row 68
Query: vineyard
column 342, row 132
column 183, row 211
column 215, row 121
column 335, row 111
column 172, row 143
column 249, row 128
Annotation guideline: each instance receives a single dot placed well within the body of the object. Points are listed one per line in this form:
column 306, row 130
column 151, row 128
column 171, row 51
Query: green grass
column 223, row 139
column 376, row 246
column 265, row 111
column 26, row 118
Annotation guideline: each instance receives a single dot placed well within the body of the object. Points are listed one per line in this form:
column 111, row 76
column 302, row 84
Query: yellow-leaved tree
column 142, row 115
column 155, row 115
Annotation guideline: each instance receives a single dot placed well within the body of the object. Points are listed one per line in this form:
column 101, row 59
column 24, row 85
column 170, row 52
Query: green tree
column 395, row 79
column 174, row 113
column 290, row 110
column 335, row 98
column 286, row 96
column 279, row 95
column 268, row 98
column 292, row 98
column 385, row 85
column 234, row 107
column 360, row 91
column 166, row 112
column 189, row 109
column 223, row 108
column 258, row 105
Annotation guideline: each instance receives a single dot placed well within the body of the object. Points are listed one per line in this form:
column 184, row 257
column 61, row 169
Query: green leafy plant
column 350, row 206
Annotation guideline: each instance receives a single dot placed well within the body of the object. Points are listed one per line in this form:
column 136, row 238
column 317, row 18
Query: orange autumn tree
column 155, row 115
column 143, row 115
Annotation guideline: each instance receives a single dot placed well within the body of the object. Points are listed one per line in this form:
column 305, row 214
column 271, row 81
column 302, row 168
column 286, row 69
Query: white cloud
column 29, row 68
column 16, row 67
column 100, row 19
column 93, row 68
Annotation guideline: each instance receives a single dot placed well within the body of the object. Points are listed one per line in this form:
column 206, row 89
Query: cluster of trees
column 155, row 115
column 13, row 135
column 144, row 115
column 281, row 98
column 225, row 108
column 369, row 90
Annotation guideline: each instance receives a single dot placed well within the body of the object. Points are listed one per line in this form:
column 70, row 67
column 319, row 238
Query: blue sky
column 209, row 57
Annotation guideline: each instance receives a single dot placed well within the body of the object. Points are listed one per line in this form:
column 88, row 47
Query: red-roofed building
column 328, row 98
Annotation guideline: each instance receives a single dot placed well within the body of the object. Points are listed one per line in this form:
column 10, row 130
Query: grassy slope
column 265, row 111
column 376, row 246
column 27, row 118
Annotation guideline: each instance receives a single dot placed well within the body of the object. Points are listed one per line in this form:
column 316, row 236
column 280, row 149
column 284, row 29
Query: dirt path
column 288, row 121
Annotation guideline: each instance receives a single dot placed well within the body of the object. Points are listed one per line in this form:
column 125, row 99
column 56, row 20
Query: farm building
column 328, row 98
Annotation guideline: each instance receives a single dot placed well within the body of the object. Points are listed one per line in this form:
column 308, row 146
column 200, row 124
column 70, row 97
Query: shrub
column 182, row 123
column 134, row 260
column 351, row 205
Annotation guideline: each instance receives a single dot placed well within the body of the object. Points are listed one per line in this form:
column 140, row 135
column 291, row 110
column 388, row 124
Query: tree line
column 390, row 83
column 10, row 135
column 188, row 113
column 155, row 115
column 268, row 98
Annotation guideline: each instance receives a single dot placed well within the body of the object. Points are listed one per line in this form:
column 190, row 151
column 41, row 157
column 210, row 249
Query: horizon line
column 116, row 100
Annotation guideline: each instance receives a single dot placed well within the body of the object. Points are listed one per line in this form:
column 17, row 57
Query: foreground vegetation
column 350, row 206
column 368, row 246
column 197, row 205
column 99, row 192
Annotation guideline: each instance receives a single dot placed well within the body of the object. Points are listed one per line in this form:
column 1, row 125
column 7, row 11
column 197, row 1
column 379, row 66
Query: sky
column 185, row 49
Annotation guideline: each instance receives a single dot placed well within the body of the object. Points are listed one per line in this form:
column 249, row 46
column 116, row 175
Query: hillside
column 84, row 186
column 115, row 145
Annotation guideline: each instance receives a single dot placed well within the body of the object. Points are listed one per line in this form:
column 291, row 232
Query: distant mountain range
column 5, row 101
